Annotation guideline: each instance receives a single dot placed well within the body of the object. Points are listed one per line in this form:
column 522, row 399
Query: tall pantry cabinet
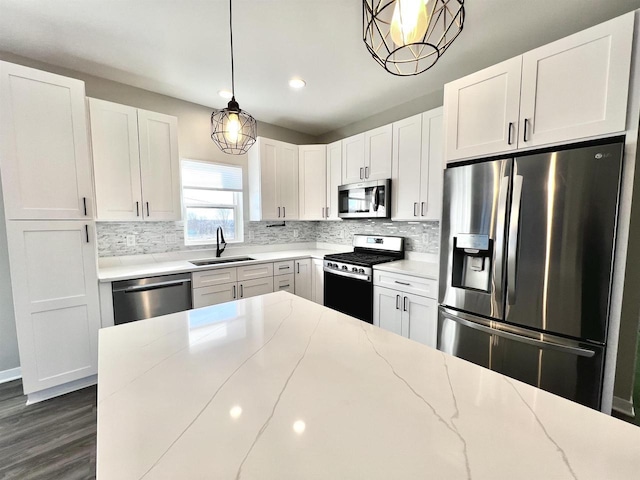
column 47, row 191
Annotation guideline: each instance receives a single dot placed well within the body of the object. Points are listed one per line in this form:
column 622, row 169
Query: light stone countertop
column 148, row 267
column 411, row 267
column 277, row 387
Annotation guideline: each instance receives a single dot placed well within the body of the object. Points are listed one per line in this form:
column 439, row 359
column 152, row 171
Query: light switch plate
column 131, row 240
column 170, row 238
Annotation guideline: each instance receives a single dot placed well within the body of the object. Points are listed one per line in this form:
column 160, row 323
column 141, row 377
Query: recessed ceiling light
column 297, row 83
column 225, row 94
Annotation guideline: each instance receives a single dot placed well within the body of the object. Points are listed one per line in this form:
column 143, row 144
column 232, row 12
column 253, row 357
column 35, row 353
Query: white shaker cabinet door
column 334, row 178
column 313, row 175
column 432, row 166
column 387, row 309
column 303, row 278
column 421, row 314
column 55, row 293
column 258, row 286
column 317, row 280
column 44, row 151
column 377, row 153
column 287, row 172
column 284, row 283
column 353, row 159
column 263, row 180
column 407, row 145
column 577, row 87
column 116, row 160
column 481, row 111
column 215, row 294
column 160, row 166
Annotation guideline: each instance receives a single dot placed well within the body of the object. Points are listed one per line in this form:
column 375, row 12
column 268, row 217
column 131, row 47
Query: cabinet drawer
column 406, row 283
column 250, row 272
column 283, row 282
column 205, row 296
column 258, row 286
column 218, row 276
column 283, row 268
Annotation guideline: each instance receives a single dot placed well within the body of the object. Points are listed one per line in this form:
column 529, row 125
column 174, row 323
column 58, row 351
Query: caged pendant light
column 233, row 129
column 407, row 37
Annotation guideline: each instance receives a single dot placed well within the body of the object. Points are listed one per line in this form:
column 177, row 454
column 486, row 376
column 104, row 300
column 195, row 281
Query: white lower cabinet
column 55, row 293
column 219, row 285
column 205, row 296
column 317, row 280
column 255, row 287
column 284, row 283
column 407, row 314
column 303, row 278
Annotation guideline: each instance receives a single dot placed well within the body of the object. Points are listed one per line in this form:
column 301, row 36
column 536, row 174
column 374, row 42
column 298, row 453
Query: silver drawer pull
column 284, row 286
column 283, row 267
column 403, row 283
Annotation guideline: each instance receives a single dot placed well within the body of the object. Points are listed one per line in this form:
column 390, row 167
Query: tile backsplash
column 160, row 237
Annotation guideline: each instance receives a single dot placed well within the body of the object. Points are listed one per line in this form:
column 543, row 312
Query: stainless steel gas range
column 348, row 277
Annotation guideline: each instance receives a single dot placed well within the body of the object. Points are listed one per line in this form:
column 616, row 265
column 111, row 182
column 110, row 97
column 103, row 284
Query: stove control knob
column 344, row 267
column 329, row 264
column 361, row 271
column 354, row 269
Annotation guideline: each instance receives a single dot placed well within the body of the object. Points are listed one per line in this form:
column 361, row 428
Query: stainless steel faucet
column 219, row 240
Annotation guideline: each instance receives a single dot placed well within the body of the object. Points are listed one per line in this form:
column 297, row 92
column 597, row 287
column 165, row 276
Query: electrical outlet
column 341, row 234
column 131, row 240
column 295, row 234
column 170, row 238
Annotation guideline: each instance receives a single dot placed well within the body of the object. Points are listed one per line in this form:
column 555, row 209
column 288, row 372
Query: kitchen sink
column 215, row 261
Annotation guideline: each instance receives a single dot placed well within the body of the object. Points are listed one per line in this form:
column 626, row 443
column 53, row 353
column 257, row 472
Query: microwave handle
column 376, row 200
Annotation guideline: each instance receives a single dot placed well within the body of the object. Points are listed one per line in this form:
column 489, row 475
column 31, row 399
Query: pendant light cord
column 233, row 88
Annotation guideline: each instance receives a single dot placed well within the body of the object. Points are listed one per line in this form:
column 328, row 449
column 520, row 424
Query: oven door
column 365, row 200
column 349, row 295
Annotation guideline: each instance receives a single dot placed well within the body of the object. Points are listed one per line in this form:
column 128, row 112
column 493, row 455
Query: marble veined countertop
column 277, row 387
column 411, row 267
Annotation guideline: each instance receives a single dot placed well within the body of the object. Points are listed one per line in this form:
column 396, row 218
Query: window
column 212, row 198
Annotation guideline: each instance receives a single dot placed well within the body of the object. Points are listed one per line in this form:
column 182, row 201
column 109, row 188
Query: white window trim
column 238, row 208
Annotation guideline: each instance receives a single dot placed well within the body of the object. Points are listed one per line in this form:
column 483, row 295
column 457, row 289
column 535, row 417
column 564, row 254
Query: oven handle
column 355, row 276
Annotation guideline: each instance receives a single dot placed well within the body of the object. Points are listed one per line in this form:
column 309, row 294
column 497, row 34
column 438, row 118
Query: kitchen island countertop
column 277, row 387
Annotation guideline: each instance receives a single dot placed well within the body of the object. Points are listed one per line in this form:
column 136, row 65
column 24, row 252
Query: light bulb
column 233, row 129
column 410, row 21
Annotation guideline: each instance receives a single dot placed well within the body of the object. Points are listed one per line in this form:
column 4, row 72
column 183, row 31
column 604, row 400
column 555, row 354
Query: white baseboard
column 52, row 392
column 623, row 406
column 11, row 374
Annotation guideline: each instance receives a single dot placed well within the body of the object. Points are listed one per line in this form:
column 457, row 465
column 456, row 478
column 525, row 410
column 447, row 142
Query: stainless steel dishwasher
column 150, row 297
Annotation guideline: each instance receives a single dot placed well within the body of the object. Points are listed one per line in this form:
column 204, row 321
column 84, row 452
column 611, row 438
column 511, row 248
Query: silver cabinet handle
column 278, row 212
column 361, row 174
column 512, row 247
column 404, row 304
column 510, row 127
column 366, row 172
column 460, row 318
column 397, row 302
column 283, row 286
column 323, row 212
column 137, row 209
column 526, row 124
column 327, row 212
column 86, row 232
column 84, row 204
column 241, row 291
column 283, row 267
column 234, row 291
column 415, row 207
column 422, row 209
column 284, row 212
column 298, row 267
column 403, row 283
column 147, row 209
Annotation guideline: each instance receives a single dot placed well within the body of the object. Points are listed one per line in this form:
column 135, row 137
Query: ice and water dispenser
column 472, row 256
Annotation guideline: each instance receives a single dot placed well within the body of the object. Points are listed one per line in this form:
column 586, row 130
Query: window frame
column 237, row 207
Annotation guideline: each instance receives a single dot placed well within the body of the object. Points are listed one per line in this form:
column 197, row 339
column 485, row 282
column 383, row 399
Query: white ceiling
column 180, row 48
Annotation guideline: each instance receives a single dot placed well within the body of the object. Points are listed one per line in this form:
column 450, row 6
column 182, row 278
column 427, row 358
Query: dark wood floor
column 55, row 439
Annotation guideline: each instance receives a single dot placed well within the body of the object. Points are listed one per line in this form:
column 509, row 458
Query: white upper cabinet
column 377, row 153
column 334, row 179
column 577, row 87
column 273, row 180
column 159, row 166
column 571, row 89
column 417, row 167
column 44, row 152
column 481, row 111
column 313, row 175
column 136, row 163
column 367, row 156
column 353, row 159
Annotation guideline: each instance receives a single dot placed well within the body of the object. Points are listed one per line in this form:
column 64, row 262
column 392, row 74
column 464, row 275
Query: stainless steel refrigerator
column 527, row 247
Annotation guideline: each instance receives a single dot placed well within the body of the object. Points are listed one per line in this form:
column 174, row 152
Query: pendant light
column 233, row 129
column 407, row 37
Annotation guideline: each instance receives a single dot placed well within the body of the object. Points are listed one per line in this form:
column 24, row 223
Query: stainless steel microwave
column 365, row 200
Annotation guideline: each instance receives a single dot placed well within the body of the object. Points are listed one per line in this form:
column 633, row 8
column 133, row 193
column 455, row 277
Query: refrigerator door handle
column 514, row 230
column 459, row 318
column 502, row 214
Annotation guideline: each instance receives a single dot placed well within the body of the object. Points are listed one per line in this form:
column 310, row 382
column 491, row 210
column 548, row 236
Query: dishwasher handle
column 152, row 286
